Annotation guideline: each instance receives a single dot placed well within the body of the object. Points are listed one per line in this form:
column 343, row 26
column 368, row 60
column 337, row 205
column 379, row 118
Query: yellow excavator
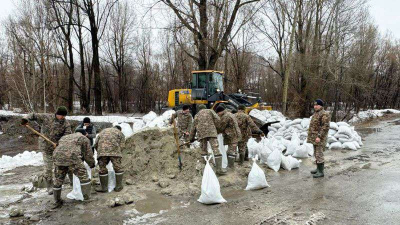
column 207, row 88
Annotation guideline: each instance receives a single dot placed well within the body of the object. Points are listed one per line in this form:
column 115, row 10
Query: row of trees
column 124, row 56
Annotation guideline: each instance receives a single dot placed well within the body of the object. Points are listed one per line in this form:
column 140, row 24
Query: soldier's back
column 68, row 150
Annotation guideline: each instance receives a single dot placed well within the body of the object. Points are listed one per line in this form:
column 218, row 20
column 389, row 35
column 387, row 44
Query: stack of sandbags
column 343, row 136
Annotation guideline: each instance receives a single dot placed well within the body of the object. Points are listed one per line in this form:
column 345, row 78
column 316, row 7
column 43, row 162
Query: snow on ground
column 371, row 114
column 23, row 159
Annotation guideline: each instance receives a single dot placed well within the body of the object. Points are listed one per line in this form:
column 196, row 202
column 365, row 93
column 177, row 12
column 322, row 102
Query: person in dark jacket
column 89, row 128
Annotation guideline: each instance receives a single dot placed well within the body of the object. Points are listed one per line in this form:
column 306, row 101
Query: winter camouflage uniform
column 108, row 145
column 53, row 129
column 204, row 125
column 184, row 124
column 247, row 127
column 70, row 153
column 319, row 127
column 230, row 130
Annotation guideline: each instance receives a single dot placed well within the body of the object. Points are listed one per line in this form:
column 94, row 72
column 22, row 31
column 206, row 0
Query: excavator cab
column 205, row 84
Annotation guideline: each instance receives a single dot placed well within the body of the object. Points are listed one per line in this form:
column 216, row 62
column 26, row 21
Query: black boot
column 118, row 181
column 320, row 170
column 103, row 183
column 241, row 158
column 57, row 198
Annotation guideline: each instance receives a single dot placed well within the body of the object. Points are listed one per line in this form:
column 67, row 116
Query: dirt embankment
column 16, row 138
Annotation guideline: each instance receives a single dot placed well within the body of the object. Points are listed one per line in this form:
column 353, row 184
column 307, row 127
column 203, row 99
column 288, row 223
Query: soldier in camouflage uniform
column 247, row 128
column 108, row 145
column 69, row 155
column 204, row 125
column 230, row 130
column 53, row 127
column 317, row 135
column 185, row 121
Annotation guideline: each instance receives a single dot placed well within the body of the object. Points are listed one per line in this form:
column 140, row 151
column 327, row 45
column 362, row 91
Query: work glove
column 24, row 121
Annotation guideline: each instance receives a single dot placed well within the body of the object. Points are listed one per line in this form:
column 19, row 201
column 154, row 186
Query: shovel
column 177, row 144
column 41, row 135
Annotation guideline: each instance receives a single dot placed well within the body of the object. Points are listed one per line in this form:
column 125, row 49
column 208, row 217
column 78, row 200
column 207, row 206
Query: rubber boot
column 231, row 161
column 246, row 155
column 57, row 198
column 241, row 158
column 320, row 170
column 49, row 185
column 118, row 181
column 86, row 190
column 315, row 170
column 103, row 183
column 218, row 164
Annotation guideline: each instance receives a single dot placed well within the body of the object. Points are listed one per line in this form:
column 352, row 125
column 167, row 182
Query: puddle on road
column 233, row 194
column 396, row 122
column 368, row 130
column 154, row 203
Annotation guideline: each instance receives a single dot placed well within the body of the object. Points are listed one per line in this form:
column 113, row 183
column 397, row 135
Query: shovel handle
column 41, row 135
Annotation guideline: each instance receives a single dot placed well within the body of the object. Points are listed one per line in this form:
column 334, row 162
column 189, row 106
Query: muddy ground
column 360, row 187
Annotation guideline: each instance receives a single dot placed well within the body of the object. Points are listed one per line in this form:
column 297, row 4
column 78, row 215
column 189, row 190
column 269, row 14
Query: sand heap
column 152, row 152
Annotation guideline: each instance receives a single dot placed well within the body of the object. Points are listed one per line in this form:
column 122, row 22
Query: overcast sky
column 384, row 12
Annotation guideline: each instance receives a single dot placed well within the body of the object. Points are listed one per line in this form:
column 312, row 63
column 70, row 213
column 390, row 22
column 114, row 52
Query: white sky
column 385, row 13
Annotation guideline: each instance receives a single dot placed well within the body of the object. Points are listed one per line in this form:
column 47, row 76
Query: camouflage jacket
column 229, row 128
column 109, row 142
column 185, row 121
column 246, row 125
column 204, row 124
column 319, row 127
column 51, row 127
column 72, row 149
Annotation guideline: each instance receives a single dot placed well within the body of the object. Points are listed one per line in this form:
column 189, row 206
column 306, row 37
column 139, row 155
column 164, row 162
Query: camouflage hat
column 62, row 110
column 201, row 106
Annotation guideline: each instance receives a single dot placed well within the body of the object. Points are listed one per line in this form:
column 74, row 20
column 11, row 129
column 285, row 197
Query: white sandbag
column 125, row 129
column 149, row 117
column 288, row 162
column 332, row 139
column 253, row 147
column 138, row 125
column 294, row 144
column 273, row 129
column 356, row 144
column 210, row 189
column 274, row 160
column 298, row 127
column 76, row 192
column 301, row 152
column 111, row 177
column 310, row 148
column 276, row 125
column 343, row 140
column 333, row 126
column 349, row 145
column 335, row 145
column 332, row 132
column 157, row 122
column 337, row 136
column 345, row 131
column 222, row 149
column 305, row 123
column 257, row 114
column 167, row 115
column 341, row 124
column 296, row 121
column 256, row 179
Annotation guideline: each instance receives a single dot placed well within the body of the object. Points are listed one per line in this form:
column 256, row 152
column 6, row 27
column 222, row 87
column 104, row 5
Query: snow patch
column 23, row 159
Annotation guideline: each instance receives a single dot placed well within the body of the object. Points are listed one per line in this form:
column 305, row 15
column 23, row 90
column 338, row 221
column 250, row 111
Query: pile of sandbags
column 152, row 120
column 343, row 136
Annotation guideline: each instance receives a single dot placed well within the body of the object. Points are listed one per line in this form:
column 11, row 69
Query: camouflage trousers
column 47, row 159
column 242, row 145
column 232, row 148
column 116, row 161
column 319, row 153
column 78, row 169
column 214, row 145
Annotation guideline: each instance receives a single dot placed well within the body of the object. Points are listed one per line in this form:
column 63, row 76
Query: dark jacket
column 90, row 130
